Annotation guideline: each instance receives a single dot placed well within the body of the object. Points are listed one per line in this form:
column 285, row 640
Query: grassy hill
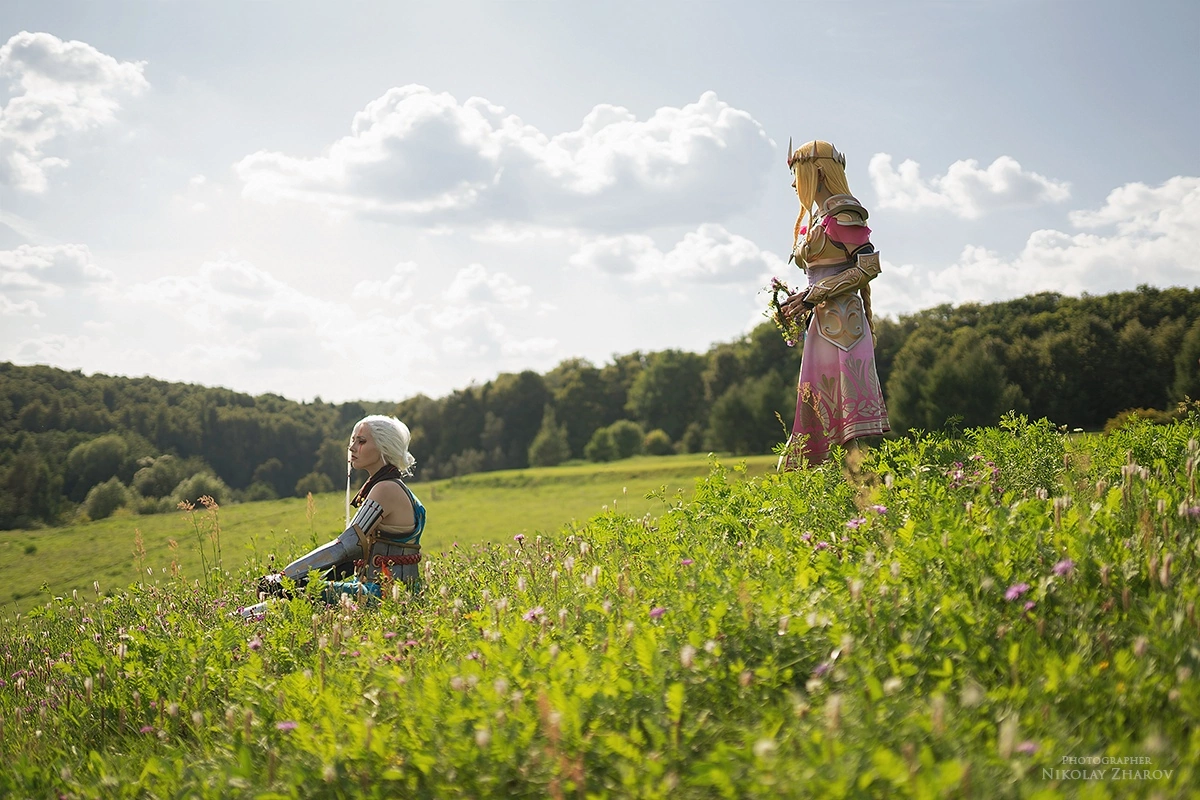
column 1007, row 613
column 490, row 506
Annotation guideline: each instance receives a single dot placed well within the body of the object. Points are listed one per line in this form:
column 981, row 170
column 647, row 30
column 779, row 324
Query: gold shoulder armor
column 846, row 210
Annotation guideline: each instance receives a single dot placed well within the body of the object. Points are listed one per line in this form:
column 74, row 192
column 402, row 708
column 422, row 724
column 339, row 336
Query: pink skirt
column 838, row 397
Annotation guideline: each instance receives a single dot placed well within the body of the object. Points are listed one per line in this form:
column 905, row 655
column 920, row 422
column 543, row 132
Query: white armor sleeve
column 346, row 547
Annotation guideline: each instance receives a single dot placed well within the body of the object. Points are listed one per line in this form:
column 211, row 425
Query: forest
column 74, row 446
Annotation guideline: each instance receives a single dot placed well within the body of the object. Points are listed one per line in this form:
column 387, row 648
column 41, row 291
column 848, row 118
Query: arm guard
column 848, row 280
column 346, row 547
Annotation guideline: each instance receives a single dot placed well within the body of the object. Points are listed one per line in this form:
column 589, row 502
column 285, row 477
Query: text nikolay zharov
column 1113, row 768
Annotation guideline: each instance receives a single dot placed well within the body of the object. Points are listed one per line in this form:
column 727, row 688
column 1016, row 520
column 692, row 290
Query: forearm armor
column 349, row 546
column 850, row 279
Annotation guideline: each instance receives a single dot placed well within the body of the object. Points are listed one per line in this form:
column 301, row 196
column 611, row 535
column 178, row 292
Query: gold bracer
column 850, row 279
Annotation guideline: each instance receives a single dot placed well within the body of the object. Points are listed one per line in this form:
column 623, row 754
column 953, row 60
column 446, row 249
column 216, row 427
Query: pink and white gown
column 838, row 396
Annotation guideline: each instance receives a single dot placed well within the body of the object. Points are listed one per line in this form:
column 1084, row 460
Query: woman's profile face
column 364, row 453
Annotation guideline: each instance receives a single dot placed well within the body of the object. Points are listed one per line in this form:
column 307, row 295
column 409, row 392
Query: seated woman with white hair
column 383, row 539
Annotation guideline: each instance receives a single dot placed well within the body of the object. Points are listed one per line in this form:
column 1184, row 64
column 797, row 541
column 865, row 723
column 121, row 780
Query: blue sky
column 375, row 199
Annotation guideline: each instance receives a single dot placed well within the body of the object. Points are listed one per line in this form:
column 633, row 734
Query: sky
column 374, row 199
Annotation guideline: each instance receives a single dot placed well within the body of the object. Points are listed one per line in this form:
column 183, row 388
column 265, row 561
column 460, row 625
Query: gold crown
column 795, row 156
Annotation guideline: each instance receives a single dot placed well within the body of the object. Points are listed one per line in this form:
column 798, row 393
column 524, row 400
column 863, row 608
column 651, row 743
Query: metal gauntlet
column 346, row 547
column 850, row 279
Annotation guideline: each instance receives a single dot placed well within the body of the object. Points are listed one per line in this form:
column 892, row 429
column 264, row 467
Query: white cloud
column 965, row 190
column 471, row 313
column 234, row 323
column 417, row 155
column 474, row 285
column 45, row 271
column 1154, row 238
column 396, row 288
column 709, row 254
column 58, row 88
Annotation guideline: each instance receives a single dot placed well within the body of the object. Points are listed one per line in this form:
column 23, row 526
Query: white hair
column 391, row 437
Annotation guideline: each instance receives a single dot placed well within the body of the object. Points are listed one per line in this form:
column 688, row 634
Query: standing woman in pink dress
column 839, row 398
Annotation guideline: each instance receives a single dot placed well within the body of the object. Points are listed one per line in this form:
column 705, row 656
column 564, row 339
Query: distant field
column 487, row 506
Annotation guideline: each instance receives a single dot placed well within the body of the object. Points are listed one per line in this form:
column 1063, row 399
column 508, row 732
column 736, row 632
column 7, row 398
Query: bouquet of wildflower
column 792, row 329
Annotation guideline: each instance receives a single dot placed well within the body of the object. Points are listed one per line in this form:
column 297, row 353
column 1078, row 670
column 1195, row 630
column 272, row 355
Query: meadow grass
column 491, row 506
column 1005, row 613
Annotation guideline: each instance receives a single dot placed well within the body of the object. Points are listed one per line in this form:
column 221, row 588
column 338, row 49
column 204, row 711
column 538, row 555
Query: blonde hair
column 805, row 160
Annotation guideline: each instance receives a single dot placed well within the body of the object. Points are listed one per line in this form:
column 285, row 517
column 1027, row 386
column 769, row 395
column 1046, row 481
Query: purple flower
column 821, row 669
column 1016, row 590
column 806, row 537
column 147, row 729
column 1064, row 567
column 533, row 614
column 687, row 562
column 255, row 643
column 411, row 643
column 390, row 635
column 879, row 509
column 657, row 612
column 1029, row 605
column 285, row 725
column 821, row 546
column 854, row 523
column 520, row 537
column 1027, row 748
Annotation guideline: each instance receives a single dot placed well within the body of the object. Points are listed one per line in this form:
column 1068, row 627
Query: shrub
column 315, row 482
column 105, row 498
column 627, row 436
column 158, row 477
column 657, row 443
column 260, row 491
column 1132, row 415
column 601, row 446
column 550, row 447
column 190, row 490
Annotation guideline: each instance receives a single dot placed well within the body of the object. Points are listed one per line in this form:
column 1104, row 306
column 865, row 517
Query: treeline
column 74, row 445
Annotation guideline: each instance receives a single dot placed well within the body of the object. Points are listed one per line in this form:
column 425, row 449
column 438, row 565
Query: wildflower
column 1064, row 567
column 1027, row 748
column 856, row 522
column 687, row 656
column 1015, row 591
column 1139, row 646
column 686, row 562
column 519, row 538
column 821, row 669
column 821, row 546
column 197, row 718
column 286, row 725
column 1029, row 605
column 390, row 635
column 146, row 729
column 657, row 612
column 255, row 643
column 533, row 614
column 879, row 509
column 764, row 748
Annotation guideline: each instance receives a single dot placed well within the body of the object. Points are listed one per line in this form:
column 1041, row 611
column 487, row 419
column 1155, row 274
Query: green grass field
column 489, row 506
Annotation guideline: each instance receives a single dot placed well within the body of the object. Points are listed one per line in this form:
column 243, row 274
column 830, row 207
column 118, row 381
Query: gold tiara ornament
column 794, row 157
